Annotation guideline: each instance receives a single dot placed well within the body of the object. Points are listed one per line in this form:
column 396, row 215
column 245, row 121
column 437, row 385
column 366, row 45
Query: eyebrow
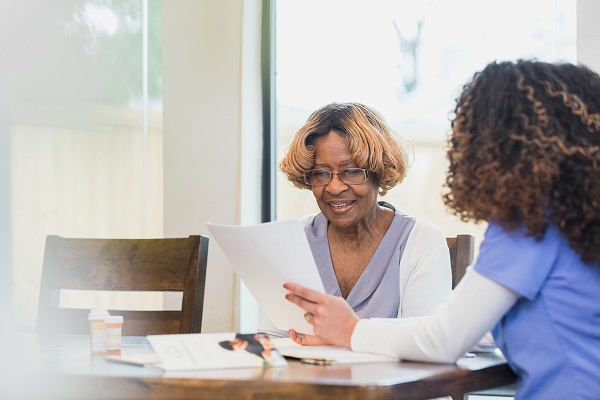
column 344, row 164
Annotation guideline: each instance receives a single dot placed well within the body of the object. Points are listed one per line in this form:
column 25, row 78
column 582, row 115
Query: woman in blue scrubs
column 525, row 158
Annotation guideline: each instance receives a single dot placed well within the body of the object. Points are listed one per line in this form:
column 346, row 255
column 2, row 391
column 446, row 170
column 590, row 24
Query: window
column 85, row 129
column 408, row 60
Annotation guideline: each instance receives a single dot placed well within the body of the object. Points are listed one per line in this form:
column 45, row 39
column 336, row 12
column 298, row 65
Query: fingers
column 301, row 302
column 305, row 340
column 305, row 298
column 300, row 339
column 308, row 294
column 295, row 337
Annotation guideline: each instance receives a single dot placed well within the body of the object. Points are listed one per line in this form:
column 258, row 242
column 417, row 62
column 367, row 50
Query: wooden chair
column 461, row 255
column 177, row 264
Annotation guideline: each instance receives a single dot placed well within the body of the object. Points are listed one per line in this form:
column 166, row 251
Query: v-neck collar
column 375, row 270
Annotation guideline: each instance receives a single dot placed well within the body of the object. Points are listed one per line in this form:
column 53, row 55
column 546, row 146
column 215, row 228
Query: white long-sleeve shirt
column 473, row 309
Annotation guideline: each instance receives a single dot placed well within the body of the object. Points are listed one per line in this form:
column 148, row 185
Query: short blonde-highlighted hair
column 372, row 143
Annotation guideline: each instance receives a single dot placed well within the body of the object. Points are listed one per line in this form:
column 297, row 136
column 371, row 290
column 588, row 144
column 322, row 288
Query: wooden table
column 62, row 368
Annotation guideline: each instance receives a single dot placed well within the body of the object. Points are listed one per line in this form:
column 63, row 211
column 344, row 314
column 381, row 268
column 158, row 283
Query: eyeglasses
column 322, row 177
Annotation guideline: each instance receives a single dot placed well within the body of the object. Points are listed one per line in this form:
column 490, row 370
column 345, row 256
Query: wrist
column 351, row 328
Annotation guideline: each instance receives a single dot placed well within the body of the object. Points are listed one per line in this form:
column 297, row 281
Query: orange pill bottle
column 114, row 329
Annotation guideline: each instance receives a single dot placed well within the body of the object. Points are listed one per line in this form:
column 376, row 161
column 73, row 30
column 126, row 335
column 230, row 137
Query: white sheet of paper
column 325, row 355
column 266, row 256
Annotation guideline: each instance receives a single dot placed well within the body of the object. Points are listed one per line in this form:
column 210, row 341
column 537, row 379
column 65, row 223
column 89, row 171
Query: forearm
column 472, row 310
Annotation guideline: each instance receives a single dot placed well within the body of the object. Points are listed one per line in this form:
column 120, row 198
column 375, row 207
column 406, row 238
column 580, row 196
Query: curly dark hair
column 371, row 141
column 525, row 151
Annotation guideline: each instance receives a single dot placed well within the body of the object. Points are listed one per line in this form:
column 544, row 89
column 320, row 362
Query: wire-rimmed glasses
column 322, row 177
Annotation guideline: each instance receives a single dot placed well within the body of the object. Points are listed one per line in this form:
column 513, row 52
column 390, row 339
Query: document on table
column 200, row 351
column 266, row 256
column 327, row 355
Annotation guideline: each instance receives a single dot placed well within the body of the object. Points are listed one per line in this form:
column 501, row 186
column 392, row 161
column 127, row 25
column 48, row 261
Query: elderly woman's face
column 342, row 204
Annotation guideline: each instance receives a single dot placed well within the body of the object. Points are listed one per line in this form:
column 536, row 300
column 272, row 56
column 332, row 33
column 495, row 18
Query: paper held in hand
column 266, row 256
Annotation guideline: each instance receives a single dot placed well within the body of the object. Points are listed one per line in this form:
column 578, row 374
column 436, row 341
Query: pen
column 315, row 361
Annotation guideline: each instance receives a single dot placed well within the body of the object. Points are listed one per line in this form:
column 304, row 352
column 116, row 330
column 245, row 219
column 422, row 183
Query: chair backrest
column 174, row 264
column 461, row 255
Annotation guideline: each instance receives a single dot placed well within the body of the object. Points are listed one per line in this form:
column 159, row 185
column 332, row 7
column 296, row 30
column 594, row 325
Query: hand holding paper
column 266, row 256
column 332, row 317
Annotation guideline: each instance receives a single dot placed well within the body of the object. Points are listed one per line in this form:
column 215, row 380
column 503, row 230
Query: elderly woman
column 383, row 262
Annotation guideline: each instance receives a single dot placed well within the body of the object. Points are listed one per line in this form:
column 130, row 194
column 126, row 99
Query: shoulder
column 425, row 229
column 427, row 241
column 421, row 227
column 422, row 230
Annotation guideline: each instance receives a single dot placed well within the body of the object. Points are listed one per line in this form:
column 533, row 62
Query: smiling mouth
column 340, row 206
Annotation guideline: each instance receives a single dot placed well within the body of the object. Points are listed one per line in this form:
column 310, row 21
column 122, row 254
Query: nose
column 336, row 186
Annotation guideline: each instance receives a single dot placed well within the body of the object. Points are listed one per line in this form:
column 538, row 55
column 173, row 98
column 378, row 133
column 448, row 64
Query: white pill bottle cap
column 98, row 314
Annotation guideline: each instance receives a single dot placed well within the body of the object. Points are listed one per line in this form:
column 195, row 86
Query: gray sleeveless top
column 376, row 293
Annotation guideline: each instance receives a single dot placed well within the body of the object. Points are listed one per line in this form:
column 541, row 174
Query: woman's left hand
column 333, row 320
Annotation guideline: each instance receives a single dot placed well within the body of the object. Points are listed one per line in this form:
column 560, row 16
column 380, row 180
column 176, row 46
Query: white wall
column 588, row 33
column 202, row 128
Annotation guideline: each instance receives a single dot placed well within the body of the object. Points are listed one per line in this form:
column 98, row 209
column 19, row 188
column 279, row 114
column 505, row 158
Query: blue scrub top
column 551, row 337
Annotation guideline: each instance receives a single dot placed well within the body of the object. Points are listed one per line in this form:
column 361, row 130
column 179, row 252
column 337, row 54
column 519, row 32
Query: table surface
column 63, row 368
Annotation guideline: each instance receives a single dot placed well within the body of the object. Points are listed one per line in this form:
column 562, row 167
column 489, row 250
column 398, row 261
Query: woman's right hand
column 332, row 318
